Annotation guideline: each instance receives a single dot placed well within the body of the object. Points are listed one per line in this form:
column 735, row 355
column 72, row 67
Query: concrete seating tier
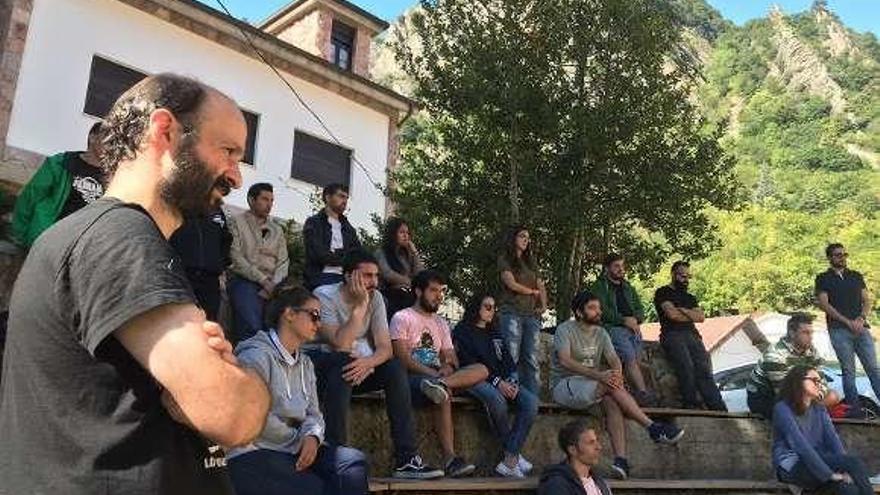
column 717, row 446
column 492, row 486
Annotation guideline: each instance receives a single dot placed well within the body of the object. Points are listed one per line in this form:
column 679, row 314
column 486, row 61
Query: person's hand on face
column 359, row 292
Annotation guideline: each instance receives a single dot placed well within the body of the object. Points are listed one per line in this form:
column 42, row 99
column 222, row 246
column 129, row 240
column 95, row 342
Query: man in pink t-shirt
column 423, row 343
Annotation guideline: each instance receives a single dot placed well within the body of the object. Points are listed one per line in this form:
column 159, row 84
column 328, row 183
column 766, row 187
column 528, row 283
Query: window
column 107, row 80
column 342, row 45
column 318, row 162
column 250, row 148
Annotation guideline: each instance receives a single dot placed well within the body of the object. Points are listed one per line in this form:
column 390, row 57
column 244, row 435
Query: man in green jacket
column 64, row 183
column 622, row 313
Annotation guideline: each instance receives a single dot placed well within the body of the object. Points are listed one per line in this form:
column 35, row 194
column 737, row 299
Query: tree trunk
column 513, row 185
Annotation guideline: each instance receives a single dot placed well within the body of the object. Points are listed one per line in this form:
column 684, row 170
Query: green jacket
column 40, row 202
column 610, row 317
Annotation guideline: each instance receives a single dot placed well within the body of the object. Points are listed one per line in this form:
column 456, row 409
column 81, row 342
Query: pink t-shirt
column 590, row 486
column 425, row 335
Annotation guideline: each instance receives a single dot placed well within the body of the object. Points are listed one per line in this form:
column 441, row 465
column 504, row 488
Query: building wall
column 63, row 36
column 305, row 33
column 735, row 351
column 363, row 43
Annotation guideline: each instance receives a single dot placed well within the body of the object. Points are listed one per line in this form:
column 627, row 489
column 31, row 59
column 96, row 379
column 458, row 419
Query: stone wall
column 714, row 447
column 14, row 20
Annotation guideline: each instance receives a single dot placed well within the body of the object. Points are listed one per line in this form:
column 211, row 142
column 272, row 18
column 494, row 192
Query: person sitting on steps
column 585, row 370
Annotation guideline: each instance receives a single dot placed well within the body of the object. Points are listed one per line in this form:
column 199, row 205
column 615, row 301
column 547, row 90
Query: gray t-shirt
column 335, row 311
column 589, row 346
column 79, row 414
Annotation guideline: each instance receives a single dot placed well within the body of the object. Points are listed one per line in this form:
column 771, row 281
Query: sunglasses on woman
column 313, row 313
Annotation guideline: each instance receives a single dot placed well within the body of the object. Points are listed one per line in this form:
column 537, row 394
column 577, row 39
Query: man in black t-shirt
column 843, row 296
column 64, row 183
column 86, row 175
column 678, row 310
column 113, row 382
column 203, row 243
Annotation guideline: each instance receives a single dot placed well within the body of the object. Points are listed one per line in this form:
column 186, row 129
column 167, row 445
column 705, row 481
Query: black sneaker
column 435, row 390
column 620, row 467
column 457, row 467
column 415, row 469
column 665, row 433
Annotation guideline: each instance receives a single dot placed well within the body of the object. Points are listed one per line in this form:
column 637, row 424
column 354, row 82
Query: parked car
column 732, row 383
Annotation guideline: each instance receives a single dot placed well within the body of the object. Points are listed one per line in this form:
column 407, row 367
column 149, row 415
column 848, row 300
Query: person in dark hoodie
column 574, row 475
column 203, row 243
column 289, row 457
column 477, row 340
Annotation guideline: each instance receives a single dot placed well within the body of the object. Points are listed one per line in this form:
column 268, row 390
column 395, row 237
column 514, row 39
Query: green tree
column 568, row 116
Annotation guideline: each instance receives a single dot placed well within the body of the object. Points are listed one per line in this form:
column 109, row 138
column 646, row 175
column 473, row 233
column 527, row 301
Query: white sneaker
column 874, row 480
column 524, row 465
column 507, row 472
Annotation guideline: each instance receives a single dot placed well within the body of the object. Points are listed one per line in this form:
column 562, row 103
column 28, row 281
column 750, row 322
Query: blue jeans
column 847, row 345
column 520, row 333
column 247, row 307
column 335, row 397
column 626, row 343
column 336, row 471
column 512, row 437
column 801, row 476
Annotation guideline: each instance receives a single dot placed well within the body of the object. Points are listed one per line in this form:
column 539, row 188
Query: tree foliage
column 567, row 116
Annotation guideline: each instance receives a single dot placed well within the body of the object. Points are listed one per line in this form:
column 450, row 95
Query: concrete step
column 715, row 445
column 483, row 486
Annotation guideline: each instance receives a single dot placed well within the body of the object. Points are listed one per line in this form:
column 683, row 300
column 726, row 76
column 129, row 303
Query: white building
column 65, row 61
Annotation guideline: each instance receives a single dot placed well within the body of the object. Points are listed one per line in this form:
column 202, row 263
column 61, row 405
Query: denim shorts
column 627, row 344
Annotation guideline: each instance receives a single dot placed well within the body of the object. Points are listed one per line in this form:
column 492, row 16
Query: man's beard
column 680, row 285
column 428, row 307
column 593, row 320
column 190, row 187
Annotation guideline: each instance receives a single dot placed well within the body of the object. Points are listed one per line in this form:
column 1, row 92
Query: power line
column 301, row 100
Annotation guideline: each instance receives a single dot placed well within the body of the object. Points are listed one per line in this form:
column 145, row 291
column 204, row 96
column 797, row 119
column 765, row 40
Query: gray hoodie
column 291, row 381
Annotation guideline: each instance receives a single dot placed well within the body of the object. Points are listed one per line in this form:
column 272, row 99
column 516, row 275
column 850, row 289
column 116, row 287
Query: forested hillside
column 794, row 102
column 799, row 97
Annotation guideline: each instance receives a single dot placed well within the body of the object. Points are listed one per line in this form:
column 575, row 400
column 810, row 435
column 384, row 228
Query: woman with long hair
column 399, row 261
column 478, row 341
column 521, row 302
column 806, row 449
column 290, row 457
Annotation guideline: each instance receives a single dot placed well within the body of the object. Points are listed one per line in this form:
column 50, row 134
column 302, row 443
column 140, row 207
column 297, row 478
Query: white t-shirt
column 334, row 311
column 335, row 242
column 590, row 486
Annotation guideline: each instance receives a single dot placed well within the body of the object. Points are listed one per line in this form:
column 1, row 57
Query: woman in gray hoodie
column 289, row 457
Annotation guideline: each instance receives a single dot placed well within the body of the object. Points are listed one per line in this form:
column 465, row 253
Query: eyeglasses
column 840, row 255
column 313, row 313
column 814, row 379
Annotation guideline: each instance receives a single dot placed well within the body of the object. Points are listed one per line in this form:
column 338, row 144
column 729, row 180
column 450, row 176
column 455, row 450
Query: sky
column 861, row 15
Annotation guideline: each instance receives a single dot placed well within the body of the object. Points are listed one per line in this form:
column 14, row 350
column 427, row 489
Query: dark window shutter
column 319, row 162
column 250, row 148
column 107, row 81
